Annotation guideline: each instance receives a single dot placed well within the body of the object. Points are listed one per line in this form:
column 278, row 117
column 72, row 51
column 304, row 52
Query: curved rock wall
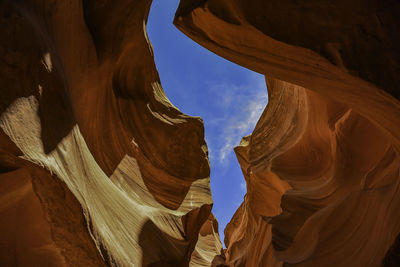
column 94, row 157
column 322, row 164
column 99, row 168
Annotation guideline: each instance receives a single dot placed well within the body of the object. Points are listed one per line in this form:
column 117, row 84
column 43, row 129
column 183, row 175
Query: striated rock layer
column 322, row 164
column 97, row 166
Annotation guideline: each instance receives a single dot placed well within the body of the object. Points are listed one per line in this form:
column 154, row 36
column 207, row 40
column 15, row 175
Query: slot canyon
column 99, row 168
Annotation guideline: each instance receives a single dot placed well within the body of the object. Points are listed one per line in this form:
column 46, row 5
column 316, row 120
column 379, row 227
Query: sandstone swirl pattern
column 322, row 165
column 97, row 166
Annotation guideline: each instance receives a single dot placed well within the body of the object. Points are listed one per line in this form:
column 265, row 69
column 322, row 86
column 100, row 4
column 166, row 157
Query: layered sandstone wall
column 97, row 166
column 322, row 164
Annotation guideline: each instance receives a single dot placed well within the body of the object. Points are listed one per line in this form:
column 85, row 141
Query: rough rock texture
column 322, row 165
column 97, row 167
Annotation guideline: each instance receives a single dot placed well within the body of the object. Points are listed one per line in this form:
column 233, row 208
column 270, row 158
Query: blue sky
column 229, row 98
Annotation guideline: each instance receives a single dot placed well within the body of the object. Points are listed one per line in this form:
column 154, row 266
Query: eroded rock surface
column 322, row 164
column 97, row 166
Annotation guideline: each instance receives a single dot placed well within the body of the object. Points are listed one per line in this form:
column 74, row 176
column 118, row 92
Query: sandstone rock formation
column 322, row 165
column 97, row 166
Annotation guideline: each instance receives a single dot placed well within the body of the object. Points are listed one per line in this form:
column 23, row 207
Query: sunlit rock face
column 97, row 166
column 322, row 164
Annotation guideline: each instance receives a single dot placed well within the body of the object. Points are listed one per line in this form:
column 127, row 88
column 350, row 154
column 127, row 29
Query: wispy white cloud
column 241, row 107
column 243, row 186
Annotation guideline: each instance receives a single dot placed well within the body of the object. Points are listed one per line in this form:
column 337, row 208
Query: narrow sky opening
column 228, row 97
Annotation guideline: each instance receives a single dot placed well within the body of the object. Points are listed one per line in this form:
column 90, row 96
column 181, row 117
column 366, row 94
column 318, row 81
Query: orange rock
column 82, row 100
column 99, row 168
column 322, row 164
